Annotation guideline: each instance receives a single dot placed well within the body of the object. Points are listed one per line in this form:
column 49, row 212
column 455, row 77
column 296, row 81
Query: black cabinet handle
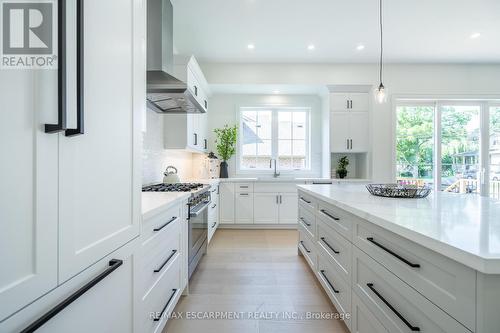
column 347, row 104
column 206, row 143
column 306, row 201
column 281, row 199
column 164, row 225
column 79, row 73
column 165, row 262
column 329, row 215
column 158, row 318
column 206, row 104
column 370, row 239
column 213, row 225
column 305, row 248
column 215, row 205
column 328, row 281
column 195, row 90
column 327, row 244
column 195, row 139
column 305, row 222
column 407, row 323
column 113, row 265
column 61, row 71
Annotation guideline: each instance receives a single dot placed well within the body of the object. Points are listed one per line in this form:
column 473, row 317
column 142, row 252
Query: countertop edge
column 480, row 264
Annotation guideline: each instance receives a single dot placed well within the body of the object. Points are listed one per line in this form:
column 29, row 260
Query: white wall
column 223, row 110
column 429, row 80
column 156, row 158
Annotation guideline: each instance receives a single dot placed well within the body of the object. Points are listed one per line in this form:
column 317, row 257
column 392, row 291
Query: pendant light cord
column 381, row 40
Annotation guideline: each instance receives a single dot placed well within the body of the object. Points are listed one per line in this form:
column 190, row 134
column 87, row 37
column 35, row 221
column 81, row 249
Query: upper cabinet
column 190, row 131
column 344, row 102
column 349, row 122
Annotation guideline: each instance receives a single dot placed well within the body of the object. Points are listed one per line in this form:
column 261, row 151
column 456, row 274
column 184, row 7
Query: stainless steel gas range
column 197, row 216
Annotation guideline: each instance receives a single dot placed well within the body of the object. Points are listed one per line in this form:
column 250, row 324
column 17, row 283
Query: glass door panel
column 460, row 147
column 494, row 152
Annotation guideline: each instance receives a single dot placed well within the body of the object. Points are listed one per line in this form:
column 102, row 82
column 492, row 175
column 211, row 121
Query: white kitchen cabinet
column 349, row 132
column 213, row 211
column 267, row 208
column 100, row 171
column 343, row 102
column 108, row 306
column 288, row 208
column 243, row 208
column 226, row 203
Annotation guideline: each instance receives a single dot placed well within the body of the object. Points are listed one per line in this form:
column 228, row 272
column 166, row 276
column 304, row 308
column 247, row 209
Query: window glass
column 494, row 151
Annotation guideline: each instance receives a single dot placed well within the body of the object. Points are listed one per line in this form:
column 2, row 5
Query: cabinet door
column 243, row 208
column 339, row 102
column 266, row 211
column 288, row 208
column 28, row 191
column 359, row 131
column 363, row 321
column 339, row 131
column 359, row 102
column 226, row 206
column 100, row 171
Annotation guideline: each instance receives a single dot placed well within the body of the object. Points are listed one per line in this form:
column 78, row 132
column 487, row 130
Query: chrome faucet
column 276, row 174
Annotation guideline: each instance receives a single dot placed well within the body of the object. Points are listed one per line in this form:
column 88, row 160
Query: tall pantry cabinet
column 70, row 201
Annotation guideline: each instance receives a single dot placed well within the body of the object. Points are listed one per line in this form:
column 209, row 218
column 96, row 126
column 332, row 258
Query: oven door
column 197, row 236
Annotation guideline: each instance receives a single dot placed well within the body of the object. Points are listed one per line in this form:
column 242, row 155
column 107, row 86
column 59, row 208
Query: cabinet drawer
column 213, row 209
column 395, row 303
column 336, row 218
column 160, row 222
column 157, row 255
column 446, row 283
column 363, row 321
column 275, row 187
column 307, row 201
column 308, row 221
column 243, row 208
column 306, row 247
column 336, row 248
column 244, row 187
column 337, row 289
column 161, row 299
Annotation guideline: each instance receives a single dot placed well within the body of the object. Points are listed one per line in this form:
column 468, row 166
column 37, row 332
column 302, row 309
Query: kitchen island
column 429, row 265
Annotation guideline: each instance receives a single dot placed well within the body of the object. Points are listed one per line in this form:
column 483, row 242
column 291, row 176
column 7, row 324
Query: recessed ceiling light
column 251, row 46
column 360, row 47
column 310, row 47
column 276, row 91
column 475, row 35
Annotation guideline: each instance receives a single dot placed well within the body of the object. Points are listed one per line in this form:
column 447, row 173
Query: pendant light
column 381, row 91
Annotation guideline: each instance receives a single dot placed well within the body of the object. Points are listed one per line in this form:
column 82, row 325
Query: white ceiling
column 418, row 31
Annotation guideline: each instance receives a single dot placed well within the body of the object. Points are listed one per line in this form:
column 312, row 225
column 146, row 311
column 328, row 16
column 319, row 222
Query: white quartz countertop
column 463, row 227
column 155, row 202
column 286, row 180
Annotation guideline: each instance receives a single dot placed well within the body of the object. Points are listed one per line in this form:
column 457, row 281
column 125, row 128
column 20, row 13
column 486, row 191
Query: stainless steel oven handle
column 199, row 211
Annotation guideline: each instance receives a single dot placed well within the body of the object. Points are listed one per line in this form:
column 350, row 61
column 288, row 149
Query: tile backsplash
column 156, row 158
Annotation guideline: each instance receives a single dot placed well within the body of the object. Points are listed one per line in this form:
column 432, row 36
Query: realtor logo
column 28, row 35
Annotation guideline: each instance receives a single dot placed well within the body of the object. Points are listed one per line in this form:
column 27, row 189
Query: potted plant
column 226, row 146
column 342, row 167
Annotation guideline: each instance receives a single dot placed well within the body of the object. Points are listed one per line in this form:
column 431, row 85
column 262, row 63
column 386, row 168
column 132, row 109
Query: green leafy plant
column 226, row 141
column 342, row 167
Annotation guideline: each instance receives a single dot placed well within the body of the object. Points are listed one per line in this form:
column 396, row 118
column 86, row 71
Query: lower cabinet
column 377, row 296
column 213, row 211
column 243, row 208
column 226, row 206
column 106, row 306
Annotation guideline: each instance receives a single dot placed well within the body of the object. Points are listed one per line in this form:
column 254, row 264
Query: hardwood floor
column 257, row 277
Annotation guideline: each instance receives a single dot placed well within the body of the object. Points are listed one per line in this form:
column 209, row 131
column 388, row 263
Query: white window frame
column 484, row 102
column 275, row 109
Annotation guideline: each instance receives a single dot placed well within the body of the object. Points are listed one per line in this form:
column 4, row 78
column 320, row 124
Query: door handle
column 347, row 141
column 276, row 199
column 158, row 317
column 206, row 144
column 79, row 73
column 281, row 199
column 61, row 71
column 195, row 139
column 328, row 281
column 165, row 262
column 351, row 143
column 406, row 261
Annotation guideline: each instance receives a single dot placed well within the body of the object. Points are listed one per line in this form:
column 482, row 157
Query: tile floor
column 250, row 274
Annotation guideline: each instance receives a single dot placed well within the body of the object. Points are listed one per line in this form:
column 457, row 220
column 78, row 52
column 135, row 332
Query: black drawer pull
column 305, row 248
column 331, row 247
column 163, row 226
column 412, row 328
column 305, row 200
column 165, row 262
column 370, row 239
column 328, row 281
column 213, row 225
column 113, row 265
column 157, row 318
column 329, row 215
column 305, row 222
column 215, row 205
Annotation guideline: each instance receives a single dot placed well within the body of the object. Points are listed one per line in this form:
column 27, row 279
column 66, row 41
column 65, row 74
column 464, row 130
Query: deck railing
column 459, row 186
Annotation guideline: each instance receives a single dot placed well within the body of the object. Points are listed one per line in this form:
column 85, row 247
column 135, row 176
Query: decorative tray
column 398, row 191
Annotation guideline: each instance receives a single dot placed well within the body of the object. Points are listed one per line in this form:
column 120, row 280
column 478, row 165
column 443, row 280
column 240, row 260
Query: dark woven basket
column 398, row 191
